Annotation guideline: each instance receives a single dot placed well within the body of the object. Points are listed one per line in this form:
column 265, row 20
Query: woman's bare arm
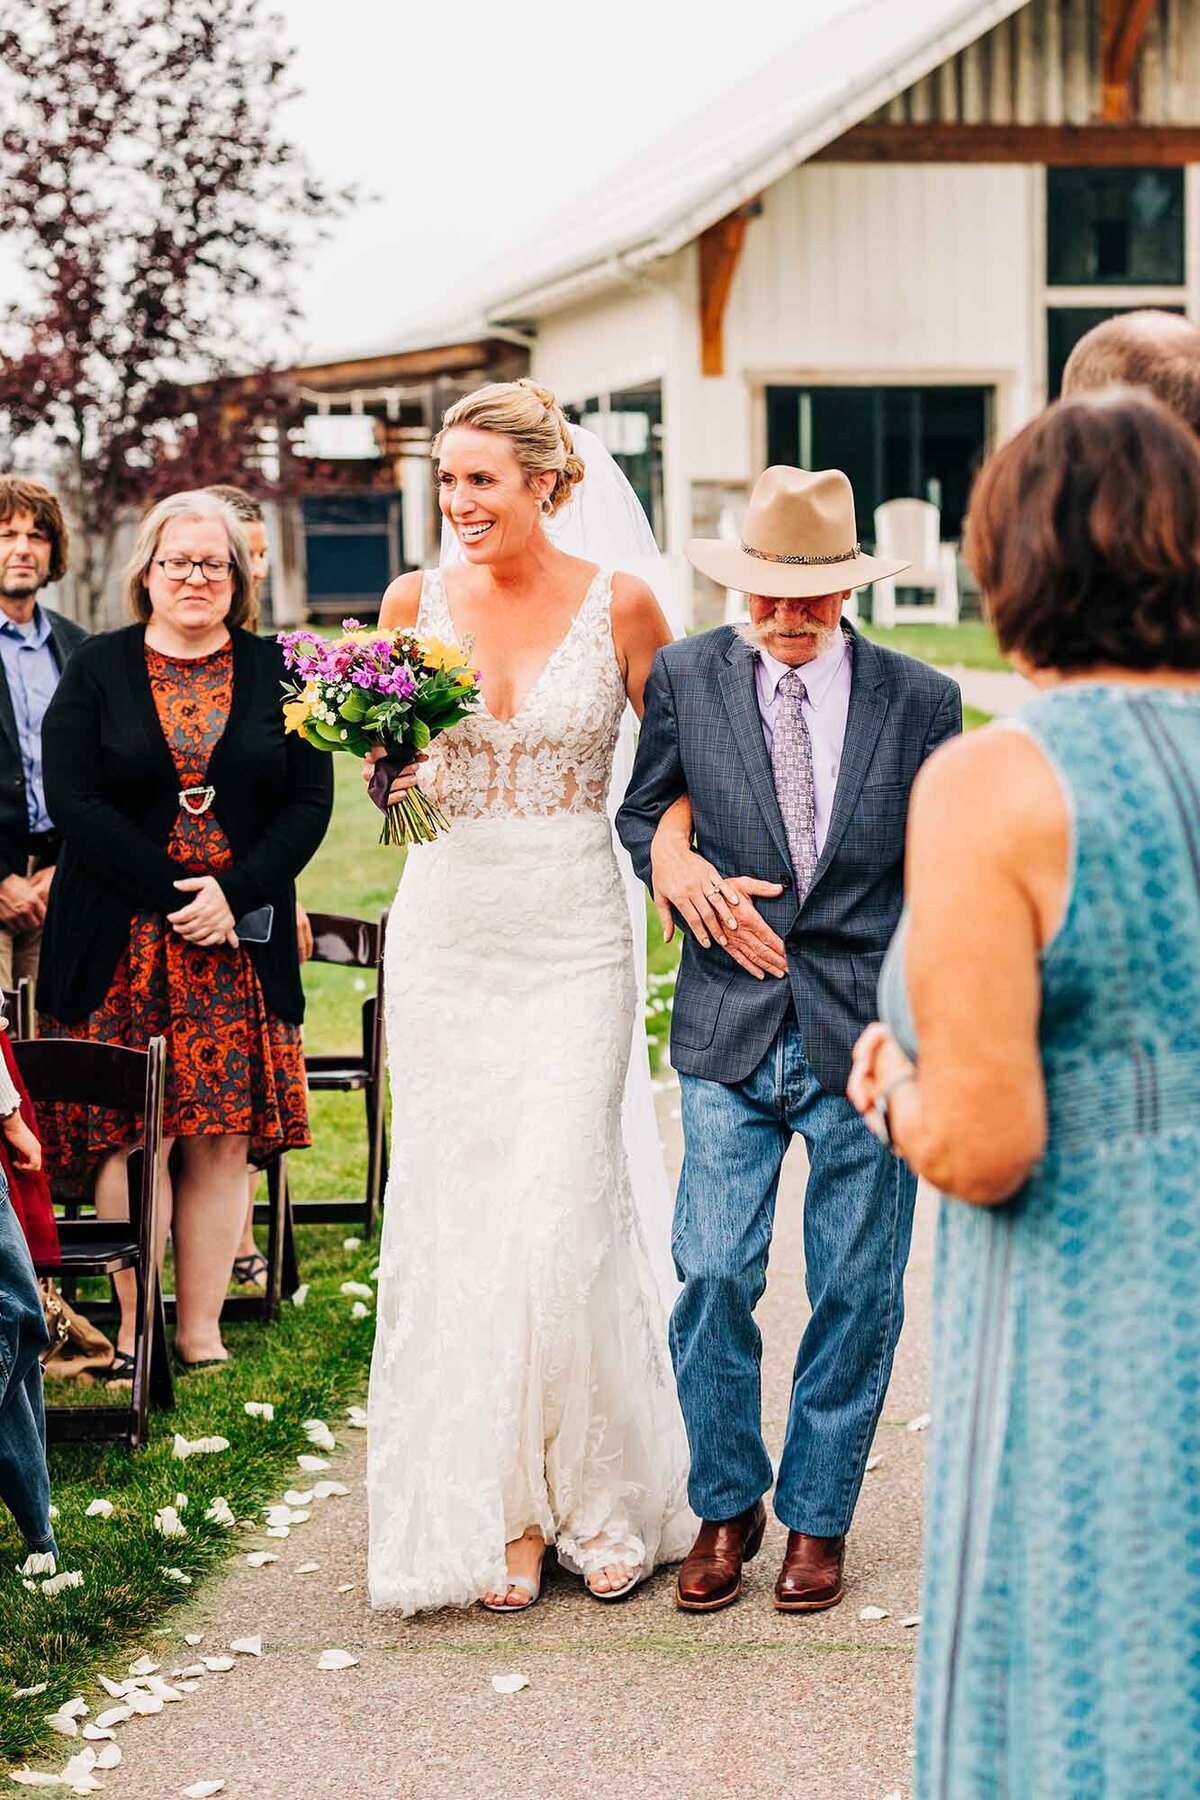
column 401, row 603
column 988, row 853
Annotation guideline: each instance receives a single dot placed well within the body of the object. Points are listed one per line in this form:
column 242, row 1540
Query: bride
column 521, row 1388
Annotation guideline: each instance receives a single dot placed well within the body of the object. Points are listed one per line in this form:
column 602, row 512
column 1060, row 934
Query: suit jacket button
column 785, row 882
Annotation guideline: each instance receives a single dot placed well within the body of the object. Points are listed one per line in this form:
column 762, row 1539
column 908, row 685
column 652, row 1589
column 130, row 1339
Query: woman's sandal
column 251, row 1270
column 610, row 1596
column 119, row 1372
column 527, row 1585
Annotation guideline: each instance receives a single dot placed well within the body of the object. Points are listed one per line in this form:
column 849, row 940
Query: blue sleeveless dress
column 1060, row 1644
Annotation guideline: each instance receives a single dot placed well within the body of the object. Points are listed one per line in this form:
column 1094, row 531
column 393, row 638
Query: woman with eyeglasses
column 185, row 816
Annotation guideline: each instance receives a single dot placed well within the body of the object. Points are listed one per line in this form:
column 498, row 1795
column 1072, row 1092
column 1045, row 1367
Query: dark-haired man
column 1149, row 349
column 35, row 644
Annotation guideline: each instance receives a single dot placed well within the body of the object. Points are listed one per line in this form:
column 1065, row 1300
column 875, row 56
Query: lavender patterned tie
column 792, row 762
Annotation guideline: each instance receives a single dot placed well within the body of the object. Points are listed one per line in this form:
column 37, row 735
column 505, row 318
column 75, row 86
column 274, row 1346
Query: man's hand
column 26, row 1151
column 41, row 880
column 304, row 934
column 207, row 918
column 717, row 907
column 22, row 906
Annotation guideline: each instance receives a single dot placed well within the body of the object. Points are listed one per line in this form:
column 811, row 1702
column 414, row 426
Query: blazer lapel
column 864, row 722
column 739, row 691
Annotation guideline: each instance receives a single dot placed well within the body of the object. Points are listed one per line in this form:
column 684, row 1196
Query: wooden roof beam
column 720, row 253
column 1124, row 24
column 1079, row 146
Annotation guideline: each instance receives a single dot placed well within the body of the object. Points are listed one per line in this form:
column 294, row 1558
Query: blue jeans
column 24, row 1478
column 858, row 1212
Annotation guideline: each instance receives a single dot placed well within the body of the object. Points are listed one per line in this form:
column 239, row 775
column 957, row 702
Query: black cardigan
column 112, row 791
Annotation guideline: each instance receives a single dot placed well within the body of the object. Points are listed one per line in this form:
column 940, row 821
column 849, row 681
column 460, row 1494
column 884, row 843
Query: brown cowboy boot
column 811, row 1577
column 710, row 1576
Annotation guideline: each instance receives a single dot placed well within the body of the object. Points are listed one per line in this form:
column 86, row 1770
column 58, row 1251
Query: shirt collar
column 39, row 636
column 818, row 675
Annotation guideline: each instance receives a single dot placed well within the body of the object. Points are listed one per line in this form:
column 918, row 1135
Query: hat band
column 768, row 556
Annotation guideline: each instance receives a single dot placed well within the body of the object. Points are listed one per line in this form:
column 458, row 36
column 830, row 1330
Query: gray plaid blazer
column 702, row 734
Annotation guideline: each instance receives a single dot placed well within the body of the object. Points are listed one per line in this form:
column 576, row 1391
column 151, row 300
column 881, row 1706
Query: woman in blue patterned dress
column 1049, row 969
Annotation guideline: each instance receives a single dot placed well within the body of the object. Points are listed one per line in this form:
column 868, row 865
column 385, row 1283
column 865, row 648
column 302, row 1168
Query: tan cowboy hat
column 798, row 540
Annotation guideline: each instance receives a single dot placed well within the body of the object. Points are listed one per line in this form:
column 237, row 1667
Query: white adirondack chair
column 912, row 529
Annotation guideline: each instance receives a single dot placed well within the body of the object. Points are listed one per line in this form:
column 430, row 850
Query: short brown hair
column 20, row 495
column 197, row 505
column 1084, row 534
column 247, row 508
column 1147, row 348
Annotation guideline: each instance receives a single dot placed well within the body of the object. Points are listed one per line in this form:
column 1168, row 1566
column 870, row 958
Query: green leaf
column 422, row 737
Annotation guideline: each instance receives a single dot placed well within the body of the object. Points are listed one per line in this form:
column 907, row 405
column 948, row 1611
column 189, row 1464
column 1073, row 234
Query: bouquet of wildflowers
column 374, row 689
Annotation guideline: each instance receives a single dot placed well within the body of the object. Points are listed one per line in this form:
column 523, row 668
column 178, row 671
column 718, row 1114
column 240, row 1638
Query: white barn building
column 875, row 254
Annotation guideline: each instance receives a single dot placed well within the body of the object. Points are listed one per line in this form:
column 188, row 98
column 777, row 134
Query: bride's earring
column 545, row 504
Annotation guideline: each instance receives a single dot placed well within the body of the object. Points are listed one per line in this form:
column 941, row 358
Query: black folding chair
column 352, row 944
column 19, row 1009
column 131, row 1081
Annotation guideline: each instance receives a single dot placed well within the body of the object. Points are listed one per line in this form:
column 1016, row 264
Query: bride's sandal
column 606, row 1551
column 525, row 1584
column 607, row 1596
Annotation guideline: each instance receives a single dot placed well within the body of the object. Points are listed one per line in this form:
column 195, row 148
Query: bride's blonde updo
column 531, row 416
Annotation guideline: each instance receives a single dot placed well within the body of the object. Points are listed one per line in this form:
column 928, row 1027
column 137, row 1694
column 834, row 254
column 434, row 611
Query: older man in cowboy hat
column 796, row 742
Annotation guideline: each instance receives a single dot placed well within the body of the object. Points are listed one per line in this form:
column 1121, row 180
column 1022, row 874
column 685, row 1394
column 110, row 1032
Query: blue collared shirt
column 32, row 671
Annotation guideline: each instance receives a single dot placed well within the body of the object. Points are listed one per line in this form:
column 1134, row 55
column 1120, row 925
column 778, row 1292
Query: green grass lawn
column 971, row 644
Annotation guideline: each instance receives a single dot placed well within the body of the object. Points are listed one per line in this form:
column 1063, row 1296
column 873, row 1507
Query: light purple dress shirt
column 826, row 710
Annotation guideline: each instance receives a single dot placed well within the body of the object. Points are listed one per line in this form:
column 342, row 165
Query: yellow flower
column 437, row 654
column 297, row 713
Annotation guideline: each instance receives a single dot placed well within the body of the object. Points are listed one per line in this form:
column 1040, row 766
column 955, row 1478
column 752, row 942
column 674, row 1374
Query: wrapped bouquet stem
column 380, row 690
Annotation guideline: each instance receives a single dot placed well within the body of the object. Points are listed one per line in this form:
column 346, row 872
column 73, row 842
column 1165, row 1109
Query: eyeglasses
column 179, row 568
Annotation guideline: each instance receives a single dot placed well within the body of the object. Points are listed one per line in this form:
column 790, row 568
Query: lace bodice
column 555, row 754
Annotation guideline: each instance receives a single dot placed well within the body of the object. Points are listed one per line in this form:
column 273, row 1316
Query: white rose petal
column 219, row 1512
column 251, row 1646
column 99, row 1509
column 193, row 1637
column 300, row 1295
column 81, row 1764
column 188, row 1687
column 145, row 1704
column 163, row 1690
column 351, row 1243
column 278, row 1531
column 312, row 1465
column 317, row 1432
column 174, row 1574
column 109, row 1757
column 258, row 1558
column 510, row 1684
column 75, row 1709
column 95, row 1732
column 203, row 1790
column 145, row 1665
column 357, row 1416
column 920, row 1423
column 376, row 1272
column 168, row 1521
column 356, row 1287
column 873, row 1462
column 63, row 1723
column 34, row 1778
column 117, row 1689
column 38, row 1562
column 116, row 1715
column 359, row 1311
column 347, row 1587
column 218, row 1665
column 336, row 1659
column 29, row 1693
column 193, row 1672
column 298, row 1497
column 325, row 1490
column 911, row 1622
column 307, row 1569
column 67, row 1578
column 870, row 1614
column 260, row 1409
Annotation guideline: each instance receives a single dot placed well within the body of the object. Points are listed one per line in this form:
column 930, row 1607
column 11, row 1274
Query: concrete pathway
column 635, row 1700
column 995, row 691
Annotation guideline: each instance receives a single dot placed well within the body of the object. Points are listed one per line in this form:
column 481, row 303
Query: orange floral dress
column 232, row 1066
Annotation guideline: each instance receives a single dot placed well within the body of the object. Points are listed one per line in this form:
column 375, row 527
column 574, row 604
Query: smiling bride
column 521, row 1388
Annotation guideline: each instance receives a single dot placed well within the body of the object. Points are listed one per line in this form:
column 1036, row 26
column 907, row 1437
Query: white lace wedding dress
column 521, row 1375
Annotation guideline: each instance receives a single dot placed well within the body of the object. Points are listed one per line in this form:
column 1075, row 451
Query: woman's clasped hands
column 207, row 918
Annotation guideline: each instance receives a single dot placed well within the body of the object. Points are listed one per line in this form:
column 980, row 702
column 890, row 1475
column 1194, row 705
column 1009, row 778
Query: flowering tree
column 157, row 211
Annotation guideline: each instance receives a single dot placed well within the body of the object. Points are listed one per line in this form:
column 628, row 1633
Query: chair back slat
column 84, row 1074
column 338, row 938
column 18, row 1008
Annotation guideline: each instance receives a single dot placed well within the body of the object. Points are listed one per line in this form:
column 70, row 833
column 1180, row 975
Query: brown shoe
column 811, row 1576
column 711, row 1574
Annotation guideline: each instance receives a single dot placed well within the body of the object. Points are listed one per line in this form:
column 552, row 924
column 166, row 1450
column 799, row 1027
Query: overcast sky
column 472, row 121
